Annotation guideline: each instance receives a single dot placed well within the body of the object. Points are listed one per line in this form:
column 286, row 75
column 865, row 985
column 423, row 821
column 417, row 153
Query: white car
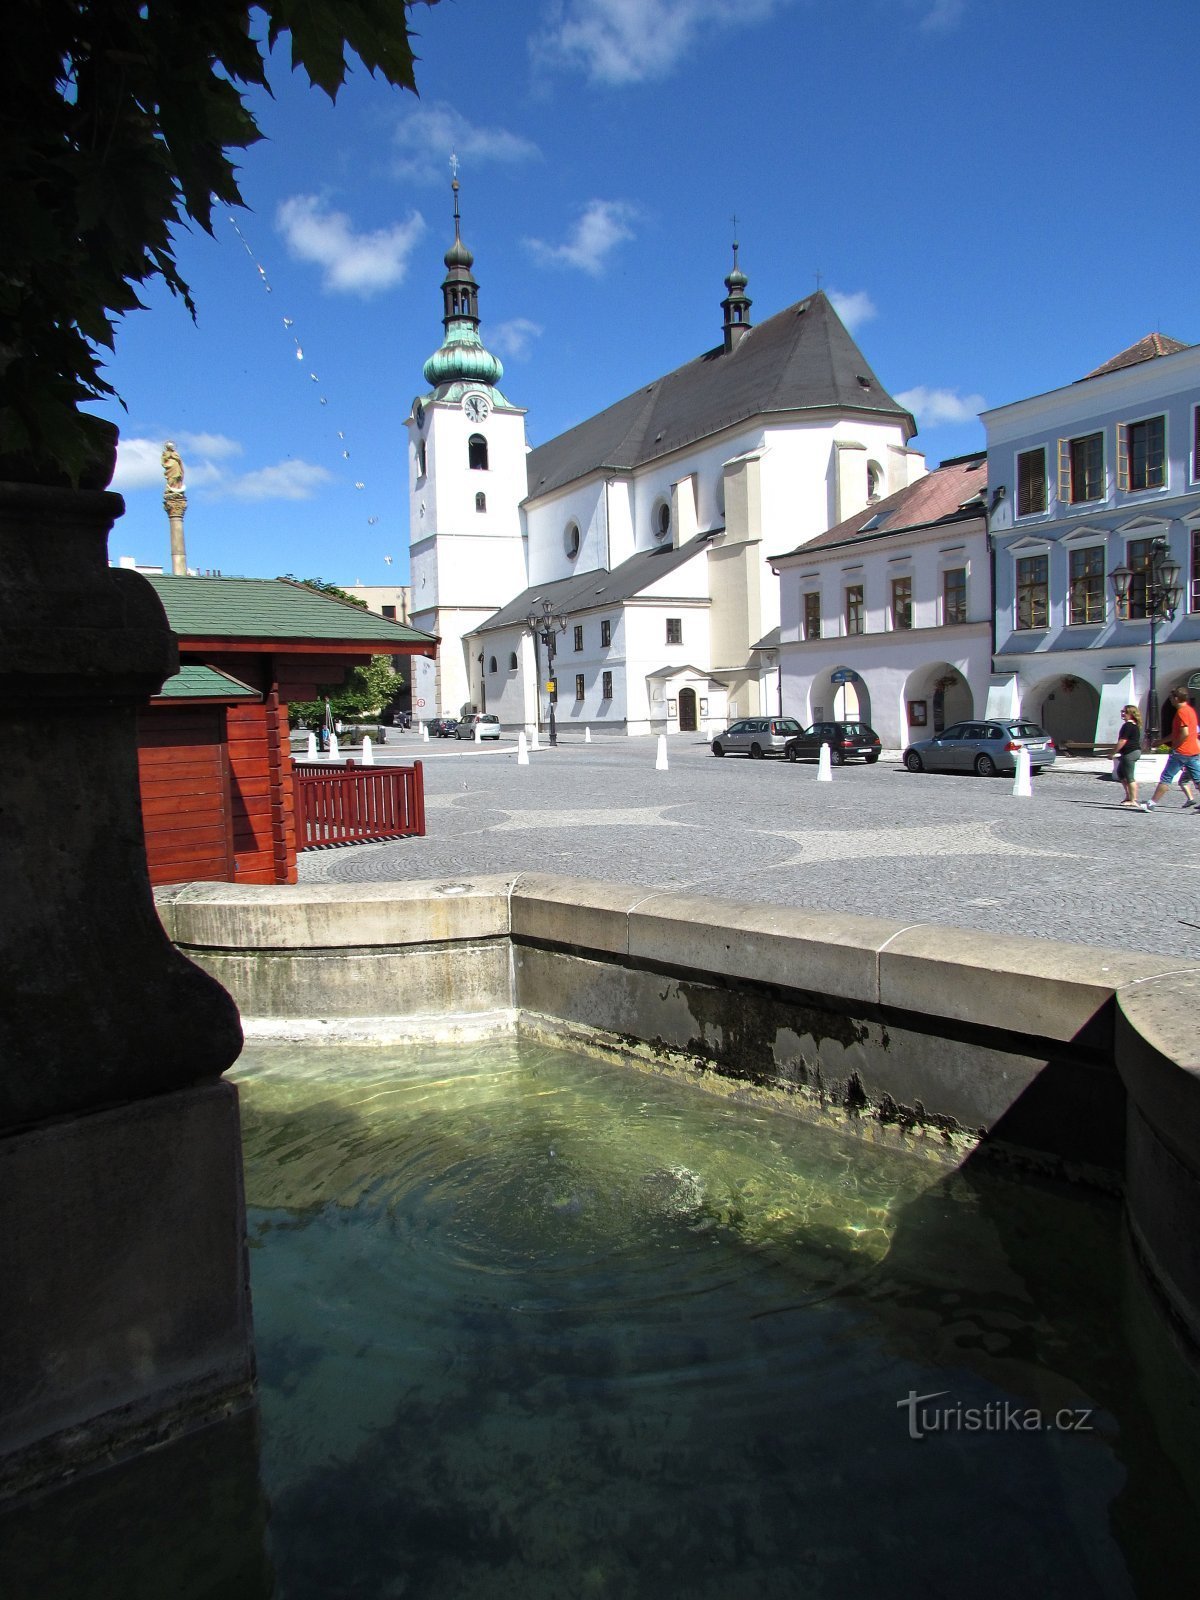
column 487, row 724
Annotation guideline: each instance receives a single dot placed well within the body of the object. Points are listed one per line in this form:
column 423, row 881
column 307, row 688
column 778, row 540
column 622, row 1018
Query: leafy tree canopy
column 321, row 587
column 117, row 119
column 365, row 693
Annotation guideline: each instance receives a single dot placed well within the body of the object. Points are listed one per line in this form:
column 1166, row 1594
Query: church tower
column 467, row 478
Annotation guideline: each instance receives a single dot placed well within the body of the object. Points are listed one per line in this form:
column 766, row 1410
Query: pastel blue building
column 1085, row 481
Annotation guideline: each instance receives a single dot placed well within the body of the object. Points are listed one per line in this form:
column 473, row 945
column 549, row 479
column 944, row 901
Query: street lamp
column 544, row 625
column 1162, row 597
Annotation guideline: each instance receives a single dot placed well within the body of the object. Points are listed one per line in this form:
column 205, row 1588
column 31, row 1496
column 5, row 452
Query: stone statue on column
column 175, row 505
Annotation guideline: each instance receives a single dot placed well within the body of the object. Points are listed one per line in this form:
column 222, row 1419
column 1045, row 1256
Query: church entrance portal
column 687, row 710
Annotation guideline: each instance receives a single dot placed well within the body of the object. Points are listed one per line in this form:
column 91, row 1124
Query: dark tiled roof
column 592, row 591
column 273, row 608
column 801, row 359
column 196, row 682
column 948, row 494
column 1154, row 344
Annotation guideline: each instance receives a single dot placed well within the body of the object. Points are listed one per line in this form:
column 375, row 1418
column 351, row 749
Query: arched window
column 512, row 661
column 662, row 520
column 874, row 480
column 571, row 540
column 477, row 452
column 421, row 459
column 492, row 664
column 481, row 502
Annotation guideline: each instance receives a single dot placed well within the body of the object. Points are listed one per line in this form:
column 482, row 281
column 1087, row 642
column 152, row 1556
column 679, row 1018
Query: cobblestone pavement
column 1066, row 864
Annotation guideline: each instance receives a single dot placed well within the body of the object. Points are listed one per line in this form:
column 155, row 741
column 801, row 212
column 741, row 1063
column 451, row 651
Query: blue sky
column 996, row 193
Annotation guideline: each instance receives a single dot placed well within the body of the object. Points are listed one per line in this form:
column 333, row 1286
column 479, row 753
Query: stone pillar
column 118, row 1143
column 175, row 505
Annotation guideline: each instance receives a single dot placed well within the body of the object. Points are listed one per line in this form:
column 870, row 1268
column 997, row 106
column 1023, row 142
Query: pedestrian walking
column 1128, row 748
column 1184, row 761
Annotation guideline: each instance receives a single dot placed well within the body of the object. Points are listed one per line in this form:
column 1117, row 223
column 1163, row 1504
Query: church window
column 874, row 479
column 606, row 634
column 579, row 636
column 674, row 630
column 571, row 540
column 421, row 459
column 579, row 686
column 492, row 664
column 606, row 686
column 662, row 520
column 481, row 502
column 477, row 453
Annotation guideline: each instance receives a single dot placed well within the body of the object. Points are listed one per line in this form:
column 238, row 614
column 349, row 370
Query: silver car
column 487, row 724
column 983, row 747
column 756, row 736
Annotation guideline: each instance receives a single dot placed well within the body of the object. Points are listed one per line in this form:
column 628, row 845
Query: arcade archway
column 935, row 696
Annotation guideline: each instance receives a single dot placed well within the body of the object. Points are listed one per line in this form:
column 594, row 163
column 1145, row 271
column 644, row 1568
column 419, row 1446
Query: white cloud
column 512, row 338
column 603, row 225
column 428, row 135
column 139, row 461
column 932, row 407
column 854, row 309
column 290, row 480
column 631, row 41
column 354, row 263
column 942, row 16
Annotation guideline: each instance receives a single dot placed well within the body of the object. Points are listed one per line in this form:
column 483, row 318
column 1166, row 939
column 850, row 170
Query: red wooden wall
column 185, row 794
column 260, row 775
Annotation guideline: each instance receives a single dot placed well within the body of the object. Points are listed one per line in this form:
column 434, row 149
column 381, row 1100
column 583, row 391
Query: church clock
column 476, row 406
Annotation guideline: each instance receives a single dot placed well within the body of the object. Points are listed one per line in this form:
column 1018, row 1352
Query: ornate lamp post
column 545, row 625
column 1163, row 594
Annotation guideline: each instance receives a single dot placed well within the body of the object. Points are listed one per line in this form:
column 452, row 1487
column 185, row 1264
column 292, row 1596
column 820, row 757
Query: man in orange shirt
column 1184, row 760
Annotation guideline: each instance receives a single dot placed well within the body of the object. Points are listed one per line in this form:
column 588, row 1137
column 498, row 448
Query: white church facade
column 641, row 536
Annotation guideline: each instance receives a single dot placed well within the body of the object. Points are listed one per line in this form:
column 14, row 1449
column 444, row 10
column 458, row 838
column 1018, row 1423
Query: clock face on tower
column 476, row 406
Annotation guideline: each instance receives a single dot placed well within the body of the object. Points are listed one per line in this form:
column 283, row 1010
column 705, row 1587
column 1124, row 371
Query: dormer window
column 477, row 453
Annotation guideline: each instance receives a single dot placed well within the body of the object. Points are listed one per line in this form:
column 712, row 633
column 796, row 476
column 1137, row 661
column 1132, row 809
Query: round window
column 571, row 539
column 662, row 520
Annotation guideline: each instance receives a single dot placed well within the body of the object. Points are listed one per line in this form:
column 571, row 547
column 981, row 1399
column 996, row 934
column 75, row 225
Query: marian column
column 175, row 505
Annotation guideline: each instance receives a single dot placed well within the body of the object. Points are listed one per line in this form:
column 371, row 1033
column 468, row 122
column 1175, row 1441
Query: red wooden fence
column 345, row 805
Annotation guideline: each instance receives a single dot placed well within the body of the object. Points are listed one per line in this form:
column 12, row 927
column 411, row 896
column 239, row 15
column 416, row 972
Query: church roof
column 801, row 359
column 592, row 591
column 950, row 493
column 1154, row 344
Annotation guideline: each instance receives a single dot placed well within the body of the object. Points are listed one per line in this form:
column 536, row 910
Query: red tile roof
column 939, row 496
column 1154, row 344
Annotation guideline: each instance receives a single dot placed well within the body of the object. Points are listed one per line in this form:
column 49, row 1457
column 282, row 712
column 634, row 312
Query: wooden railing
column 349, row 804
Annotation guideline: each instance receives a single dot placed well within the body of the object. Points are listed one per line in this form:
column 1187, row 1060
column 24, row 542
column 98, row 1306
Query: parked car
column 983, row 747
column 488, row 725
column 756, row 736
column 845, row 740
column 442, row 727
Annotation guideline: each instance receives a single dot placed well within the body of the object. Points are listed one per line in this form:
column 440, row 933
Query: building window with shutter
column 606, row 686
column 1031, row 482
column 579, row 636
column 1081, row 469
column 606, row 634
column 854, row 608
column 812, row 616
column 579, row 686
column 1086, row 601
column 1142, row 455
column 1033, row 592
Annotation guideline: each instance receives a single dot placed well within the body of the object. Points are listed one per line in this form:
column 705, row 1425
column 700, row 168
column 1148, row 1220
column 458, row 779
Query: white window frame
column 1022, row 551
column 959, row 564
column 1065, row 498
column 1123, row 454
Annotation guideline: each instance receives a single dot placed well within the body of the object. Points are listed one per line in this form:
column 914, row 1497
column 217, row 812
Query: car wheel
column 913, row 762
column 836, row 758
column 872, row 759
column 717, row 748
column 756, row 752
column 985, row 766
column 1036, row 770
column 791, row 752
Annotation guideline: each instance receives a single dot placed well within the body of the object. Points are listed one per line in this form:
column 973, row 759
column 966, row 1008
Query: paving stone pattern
column 1066, row 864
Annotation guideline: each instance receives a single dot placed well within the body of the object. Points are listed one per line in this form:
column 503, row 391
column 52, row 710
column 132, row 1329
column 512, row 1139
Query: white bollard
column 824, row 766
column 424, row 733
column 311, row 754
column 587, row 735
column 522, row 750
column 368, row 752
column 478, row 733
column 334, row 752
column 660, row 761
column 1023, row 782
column 533, row 740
